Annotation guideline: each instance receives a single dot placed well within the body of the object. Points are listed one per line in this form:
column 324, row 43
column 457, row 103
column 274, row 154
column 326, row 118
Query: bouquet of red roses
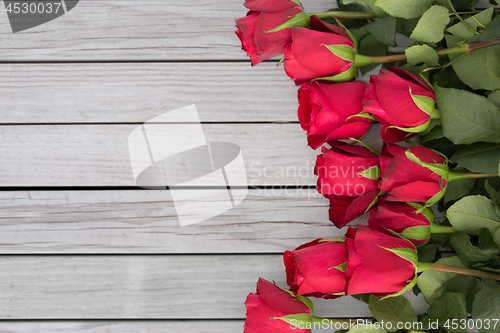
column 436, row 107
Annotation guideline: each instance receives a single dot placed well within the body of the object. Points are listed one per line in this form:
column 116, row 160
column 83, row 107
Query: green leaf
column 372, row 173
column 466, row 117
column 480, row 69
column 369, row 46
column 430, row 27
column 486, row 306
column 486, row 241
column 494, row 98
column 427, row 253
column 404, row 8
column 482, row 19
column 435, row 133
column 473, row 213
column 383, row 30
column 378, row 11
column 463, row 284
column 490, row 32
column 457, row 189
column 468, row 253
column 478, row 157
column 417, row 54
column 494, row 196
column 393, row 310
column 449, row 306
column 431, row 283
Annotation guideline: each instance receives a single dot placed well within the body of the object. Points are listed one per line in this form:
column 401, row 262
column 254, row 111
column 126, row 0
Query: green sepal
column 342, row 51
column 341, row 267
column 298, row 3
column 440, row 169
column 424, row 103
column 408, row 287
column 420, row 232
column 421, row 209
column 372, row 172
column 416, row 129
column 299, row 20
column 374, row 202
column 299, row 318
column 345, row 76
column 404, row 253
column 354, row 40
column 434, row 199
column 301, row 298
column 363, row 115
column 341, row 240
column 366, row 146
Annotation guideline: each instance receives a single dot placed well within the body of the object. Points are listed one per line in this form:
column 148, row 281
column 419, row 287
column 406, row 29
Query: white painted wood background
column 81, row 249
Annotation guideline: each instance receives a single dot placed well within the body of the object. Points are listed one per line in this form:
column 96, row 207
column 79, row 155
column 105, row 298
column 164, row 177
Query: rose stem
column 345, row 15
column 442, row 229
column 362, row 60
column 423, row 266
column 468, row 175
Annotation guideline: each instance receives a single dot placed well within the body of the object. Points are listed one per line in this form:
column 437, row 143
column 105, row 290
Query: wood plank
column 135, row 30
column 128, row 326
column 137, row 92
column 146, row 222
column 97, row 155
column 128, row 287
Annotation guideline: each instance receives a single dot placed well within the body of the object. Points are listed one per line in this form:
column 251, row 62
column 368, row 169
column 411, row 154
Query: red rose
column 267, row 305
column 325, row 51
column 348, row 175
column 317, row 268
column 376, row 263
column 254, row 29
column 394, row 91
column 402, row 218
column 416, row 174
column 324, row 109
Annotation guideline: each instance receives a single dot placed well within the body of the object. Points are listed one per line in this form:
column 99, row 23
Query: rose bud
column 348, row 175
column 417, row 174
column 324, row 52
column 326, row 111
column 394, row 91
column 317, row 268
column 398, row 218
column 379, row 264
column 265, row 31
column 272, row 309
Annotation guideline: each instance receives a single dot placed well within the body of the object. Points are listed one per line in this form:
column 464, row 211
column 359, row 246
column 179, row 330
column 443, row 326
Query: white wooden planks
column 128, row 287
column 97, row 155
column 137, row 92
column 145, row 221
column 135, row 30
column 130, row 326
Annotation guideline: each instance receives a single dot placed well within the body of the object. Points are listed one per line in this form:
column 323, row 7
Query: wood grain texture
column 145, row 221
column 135, row 30
column 97, row 155
column 137, row 92
column 128, row 287
column 126, row 326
